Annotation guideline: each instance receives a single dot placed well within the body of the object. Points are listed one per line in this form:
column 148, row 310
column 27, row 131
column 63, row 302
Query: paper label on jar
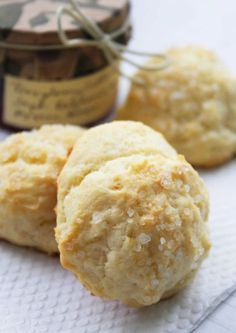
column 29, row 103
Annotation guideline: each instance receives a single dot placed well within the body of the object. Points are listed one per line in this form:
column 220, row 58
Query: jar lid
column 34, row 22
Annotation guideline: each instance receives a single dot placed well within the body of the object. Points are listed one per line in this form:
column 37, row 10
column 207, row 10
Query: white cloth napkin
column 37, row 295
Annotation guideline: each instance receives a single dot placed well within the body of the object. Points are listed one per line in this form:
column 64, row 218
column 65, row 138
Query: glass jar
column 56, row 85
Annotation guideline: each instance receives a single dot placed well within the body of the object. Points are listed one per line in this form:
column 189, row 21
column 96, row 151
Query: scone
column 192, row 102
column 132, row 214
column 30, row 163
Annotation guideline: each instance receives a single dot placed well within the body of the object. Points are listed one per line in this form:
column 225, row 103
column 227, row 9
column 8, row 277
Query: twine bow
column 106, row 42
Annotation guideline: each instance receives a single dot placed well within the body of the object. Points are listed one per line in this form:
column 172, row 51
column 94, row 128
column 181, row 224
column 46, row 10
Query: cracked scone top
column 30, row 163
column 132, row 215
column 192, row 102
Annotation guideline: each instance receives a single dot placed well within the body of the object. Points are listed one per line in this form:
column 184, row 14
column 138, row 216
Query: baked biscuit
column 132, row 215
column 192, row 102
column 29, row 166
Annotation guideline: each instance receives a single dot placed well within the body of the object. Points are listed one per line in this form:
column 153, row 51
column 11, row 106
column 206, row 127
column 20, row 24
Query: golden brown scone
column 192, row 102
column 132, row 215
column 29, row 166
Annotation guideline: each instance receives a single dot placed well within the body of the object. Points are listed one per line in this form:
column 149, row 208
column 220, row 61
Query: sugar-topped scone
column 132, row 214
column 192, row 102
column 30, row 163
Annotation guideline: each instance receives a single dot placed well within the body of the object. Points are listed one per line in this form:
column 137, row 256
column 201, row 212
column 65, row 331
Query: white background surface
column 160, row 24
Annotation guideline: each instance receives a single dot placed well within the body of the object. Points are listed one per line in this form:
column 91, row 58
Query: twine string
column 112, row 50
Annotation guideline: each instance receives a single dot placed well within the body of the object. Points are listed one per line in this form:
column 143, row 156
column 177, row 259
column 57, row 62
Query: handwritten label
column 30, row 104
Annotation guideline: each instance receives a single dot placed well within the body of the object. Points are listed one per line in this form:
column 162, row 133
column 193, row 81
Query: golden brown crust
column 131, row 215
column 29, row 166
column 192, row 102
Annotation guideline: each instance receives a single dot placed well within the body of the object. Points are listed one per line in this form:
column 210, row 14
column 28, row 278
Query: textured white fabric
column 37, row 295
